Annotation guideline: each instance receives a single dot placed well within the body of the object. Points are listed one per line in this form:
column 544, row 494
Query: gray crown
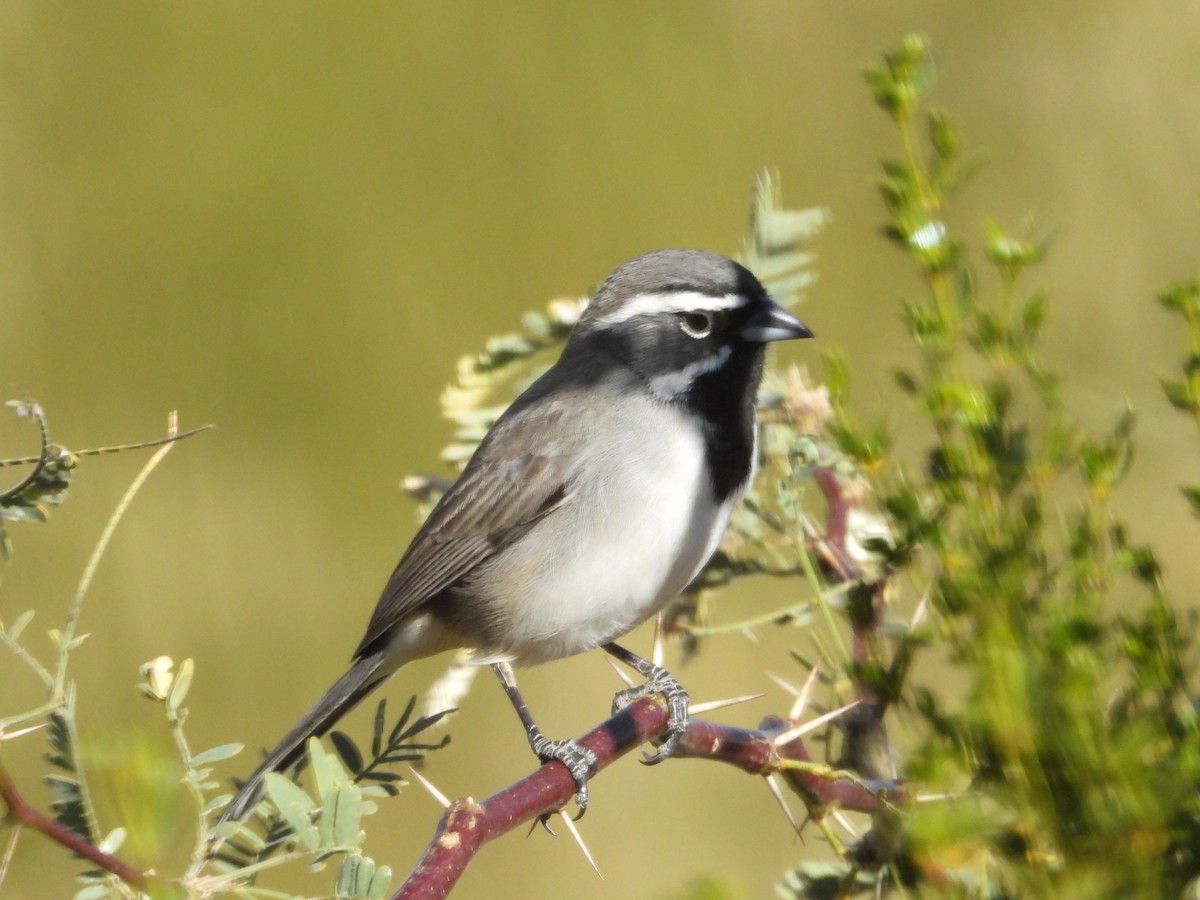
column 665, row 271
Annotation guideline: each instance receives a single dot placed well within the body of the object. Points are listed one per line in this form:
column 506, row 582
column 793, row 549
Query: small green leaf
column 1183, row 297
column 215, row 754
column 348, row 751
column 382, row 776
column 354, row 868
column 943, row 136
column 179, row 689
column 77, row 640
column 1011, row 252
column 377, row 728
column 379, row 790
column 226, row 830
column 398, row 728
column 253, row 841
column 347, row 815
column 326, row 768
column 18, row 625
column 380, row 880
column 1033, row 314
column 295, row 806
column 1179, row 395
column 1193, row 497
column 94, row 892
column 424, row 723
column 113, row 840
column 906, row 381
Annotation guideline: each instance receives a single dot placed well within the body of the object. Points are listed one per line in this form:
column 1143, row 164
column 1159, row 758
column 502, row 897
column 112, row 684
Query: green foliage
column 298, row 825
column 706, row 889
column 396, row 747
column 70, row 804
column 302, row 828
column 1069, row 755
column 44, row 485
column 1183, row 299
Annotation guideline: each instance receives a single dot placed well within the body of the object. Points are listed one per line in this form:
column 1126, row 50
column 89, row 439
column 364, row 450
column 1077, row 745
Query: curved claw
column 664, row 750
column 660, row 682
column 580, row 762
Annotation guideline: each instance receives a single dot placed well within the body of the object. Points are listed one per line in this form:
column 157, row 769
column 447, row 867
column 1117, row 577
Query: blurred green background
column 290, row 220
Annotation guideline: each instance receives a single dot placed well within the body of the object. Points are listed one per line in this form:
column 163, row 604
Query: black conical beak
column 771, row 322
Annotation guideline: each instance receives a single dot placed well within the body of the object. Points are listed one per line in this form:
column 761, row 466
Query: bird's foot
column 579, row 760
column 659, row 681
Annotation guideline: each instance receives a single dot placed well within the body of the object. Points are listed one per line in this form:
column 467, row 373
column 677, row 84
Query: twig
column 115, row 448
column 22, row 814
column 85, row 582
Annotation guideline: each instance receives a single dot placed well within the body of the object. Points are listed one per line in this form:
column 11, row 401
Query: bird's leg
column 579, row 760
column 658, row 681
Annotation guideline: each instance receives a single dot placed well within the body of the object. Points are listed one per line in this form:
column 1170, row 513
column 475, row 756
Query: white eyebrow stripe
column 671, row 302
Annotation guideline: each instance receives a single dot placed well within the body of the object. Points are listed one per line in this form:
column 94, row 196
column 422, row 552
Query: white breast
column 633, row 534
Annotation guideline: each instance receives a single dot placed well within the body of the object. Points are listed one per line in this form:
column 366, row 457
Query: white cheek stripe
column 672, row 384
column 673, row 302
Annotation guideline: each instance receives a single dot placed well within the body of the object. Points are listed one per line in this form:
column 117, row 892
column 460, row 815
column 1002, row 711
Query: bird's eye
column 696, row 324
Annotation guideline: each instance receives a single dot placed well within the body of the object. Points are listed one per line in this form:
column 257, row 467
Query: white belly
column 626, row 544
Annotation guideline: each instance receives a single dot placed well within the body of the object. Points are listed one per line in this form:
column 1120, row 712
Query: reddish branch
column 21, row 813
column 837, row 524
column 467, row 825
column 864, row 623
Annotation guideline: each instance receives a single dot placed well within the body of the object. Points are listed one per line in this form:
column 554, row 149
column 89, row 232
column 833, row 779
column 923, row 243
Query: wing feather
column 514, row 480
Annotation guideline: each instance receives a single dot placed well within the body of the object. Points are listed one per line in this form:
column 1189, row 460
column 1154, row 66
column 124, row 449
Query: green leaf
column 1183, row 297
column 943, row 136
column 113, row 840
column 295, row 806
column 226, row 830
column 398, row 728
column 1033, row 313
column 354, row 876
column 424, row 723
column 347, row 815
column 382, row 776
column 215, row 754
column 377, row 728
column 1192, row 494
column 77, row 640
column 342, row 810
column 906, row 381
column 1180, row 395
column 14, row 630
column 217, row 802
column 327, row 770
column 348, row 751
column 179, row 688
column 380, row 881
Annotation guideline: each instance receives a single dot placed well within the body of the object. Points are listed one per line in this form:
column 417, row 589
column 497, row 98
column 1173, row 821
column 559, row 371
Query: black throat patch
column 724, row 401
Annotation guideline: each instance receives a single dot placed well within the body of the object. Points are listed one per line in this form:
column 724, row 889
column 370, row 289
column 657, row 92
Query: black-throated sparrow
column 590, row 504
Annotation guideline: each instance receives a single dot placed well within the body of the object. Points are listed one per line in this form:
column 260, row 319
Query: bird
column 590, row 504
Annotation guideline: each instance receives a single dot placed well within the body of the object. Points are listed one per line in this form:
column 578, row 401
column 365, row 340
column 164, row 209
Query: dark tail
column 359, row 681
